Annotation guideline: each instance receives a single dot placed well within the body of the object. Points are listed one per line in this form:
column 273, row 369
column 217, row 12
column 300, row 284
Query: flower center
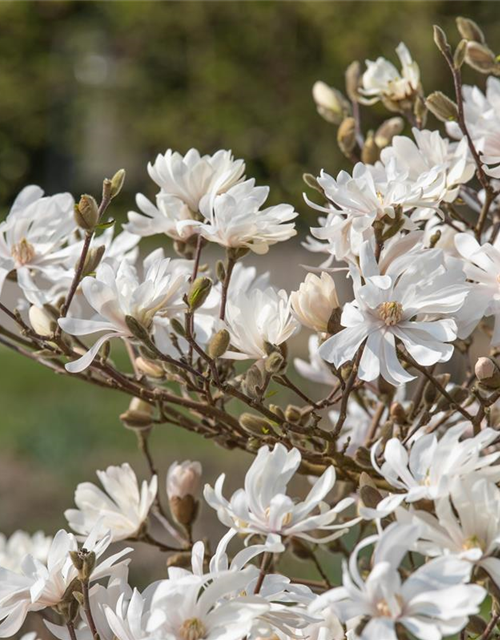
column 23, row 252
column 192, row 629
column 287, row 518
column 473, row 542
column 390, row 312
column 384, row 610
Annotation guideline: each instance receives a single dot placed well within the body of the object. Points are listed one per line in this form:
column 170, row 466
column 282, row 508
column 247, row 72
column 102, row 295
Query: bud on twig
column 293, row 413
column 149, row 368
column 178, row 327
column 94, row 257
column 441, row 41
column 469, row 30
column 346, row 136
column 87, row 213
column 138, row 416
column 330, row 103
column 117, row 183
column 254, row 424
column 352, row 80
column 137, row 329
column 275, row 362
column 183, row 486
column 459, row 55
column 387, row 130
column 219, row 344
column 480, row 57
column 370, row 496
column 397, row 413
column 41, row 321
column 198, row 292
column 442, row 107
column 370, row 152
column 488, row 373
column 220, row 271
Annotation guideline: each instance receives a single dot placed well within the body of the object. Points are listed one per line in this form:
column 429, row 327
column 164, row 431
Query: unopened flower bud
column 370, row 496
column 488, row 373
column 149, row 368
column 469, row 30
column 253, row 380
column 275, row 362
column 441, row 40
column 137, row 329
column 219, row 344
column 315, row 301
column 442, row 107
column 77, row 560
column 87, row 213
column 254, row 424
column 370, row 152
column 220, row 271
column 346, row 136
column 352, row 80
column 387, row 130
column 139, row 415
column 293, row 413
column 398, row 413
column 199, row 292
column 459, row 55
column 331, row 104
column 183, row 487
column 480, row 57
column 41, row 321
column 362, row 457
column 277, row 410
column 94, row 257
column 117, row 183
column 178, row 327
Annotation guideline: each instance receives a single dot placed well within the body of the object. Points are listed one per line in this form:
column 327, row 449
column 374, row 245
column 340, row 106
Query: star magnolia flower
column 388, row 306
column 382, row 80
column 20, row 544
column 427, row 471
column 315, row 301
column 264, row 508
column 39, row 586
column 256, row 319
column 316, row 370
column 33, row 238
column 434, row 601
column 191, row 607
column 235, row 220
column 372, row 193
column 428, row 151
column 184, row 479
column 117, row 295
column 122, row 509
column 482, row 117
column 482, row 266
column 467, row 524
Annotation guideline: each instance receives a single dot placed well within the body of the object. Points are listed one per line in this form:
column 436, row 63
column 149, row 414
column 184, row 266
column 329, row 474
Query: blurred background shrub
column 89, row 87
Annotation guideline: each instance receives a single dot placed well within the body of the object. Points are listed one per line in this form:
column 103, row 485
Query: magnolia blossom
column 429, row 151
column 38, row 585
column 315, row 301
column 184, row 181
column 482, row 117
column 184, row 479
column 433, row 602
column 380, row 192
column 20, row 544
column 122, row 509
column 482, row 266
column 429, row 468
column 263, row 506
column 235, row 220
column 114, row 296
column 382, row 81
column 467, row 524
column 316, row 370
column 389, row 307
column 257, row 319
column 33, row 241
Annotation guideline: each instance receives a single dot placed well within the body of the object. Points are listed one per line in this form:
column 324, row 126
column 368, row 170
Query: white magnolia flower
column 184, row 479
column 235, row 220
column 316, row 370
column 184, row 181
column 38, row 585
column 116, row 295
column 428, row 151
column 263, row 506
column 256, row 319
column 428, row 470
column 433, row 602
column 122, row 508
column 482, row 117
column 315, row 301
column 467, row 524
column 390, row 306
column 482, row 266
column 191, row 607
column 33, row 241
column 382, row 80
column 14, row 549
column 373, row 193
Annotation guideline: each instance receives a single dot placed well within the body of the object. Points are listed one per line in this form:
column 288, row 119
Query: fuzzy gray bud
column 469, row 30
column 346, row 136
column 488, row 373
column 219, row 343
column 87, row 213
column 442, row 107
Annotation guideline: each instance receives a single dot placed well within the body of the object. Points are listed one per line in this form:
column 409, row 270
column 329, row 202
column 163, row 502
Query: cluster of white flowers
column 402, row 444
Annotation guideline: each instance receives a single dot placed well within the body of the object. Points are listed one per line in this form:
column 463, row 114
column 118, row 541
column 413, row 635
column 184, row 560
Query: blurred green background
column 89, row 87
